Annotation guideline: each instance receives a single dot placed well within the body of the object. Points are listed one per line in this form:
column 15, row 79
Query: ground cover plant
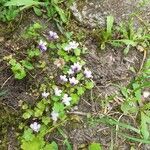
column 62, row 100
column 10, row 9
column 57, row 96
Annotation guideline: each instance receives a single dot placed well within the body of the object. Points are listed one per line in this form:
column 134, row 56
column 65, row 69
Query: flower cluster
column 74, row 69
column 74, row 81
column 42, row 45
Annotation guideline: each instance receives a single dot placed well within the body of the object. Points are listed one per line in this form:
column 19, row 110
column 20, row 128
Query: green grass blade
column 110, row 22
column 111, row 121
column 135, row 139
column 127, row 42
column 23, row 3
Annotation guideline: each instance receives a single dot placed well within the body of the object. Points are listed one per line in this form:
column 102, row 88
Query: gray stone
column 94, row 12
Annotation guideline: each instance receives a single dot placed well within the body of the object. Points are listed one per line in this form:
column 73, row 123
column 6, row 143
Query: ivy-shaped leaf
column 75, row 98
column 28, row 135
column 52, row 146
column 58, row 107
column 77, row 52
column 80, row 90
column 46, row 120
column 27, row 64
column 95, row 146
column 35, row 144
column 27, row 114
column 89, row 84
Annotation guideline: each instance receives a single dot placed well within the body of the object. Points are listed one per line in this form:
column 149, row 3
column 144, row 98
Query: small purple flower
column 42, row 46
column 74, row 44
column 76, row 67
column 63, row 78
column 53, row 35
column 88, row 73
column 73, row 81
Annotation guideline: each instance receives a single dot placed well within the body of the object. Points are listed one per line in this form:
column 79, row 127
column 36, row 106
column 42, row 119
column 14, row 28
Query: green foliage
column 133, row 103
column 33, row 32
column 107, row 34
column 131, row 37
column 52, row 146
column 44, row 108
column 122, row 128
column 66, row 141
column 20, row 68
column 143, row 3
column 32, row 142
column 95, row 146
column 124, row 35
column 60, row 12
column 89, row 85
column 7, row 13
column 17, row 68
column 10, row 9
column 145, row 120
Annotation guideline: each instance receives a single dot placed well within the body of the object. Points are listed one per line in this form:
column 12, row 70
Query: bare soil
column 93, row 13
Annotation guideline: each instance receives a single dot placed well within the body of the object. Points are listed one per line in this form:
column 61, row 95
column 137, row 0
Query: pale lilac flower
column 88, row 73
column 146, row 94
column 45, row 94
column 54, row 115
column 73, row 81
column 53, row 35
column 67, row 48
column 76, row 67
column 71, row 45
column 63, row 78
column 42, row 46
column 70, row 72
column 66, row 99
column 35, row 126
column 57, row 91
